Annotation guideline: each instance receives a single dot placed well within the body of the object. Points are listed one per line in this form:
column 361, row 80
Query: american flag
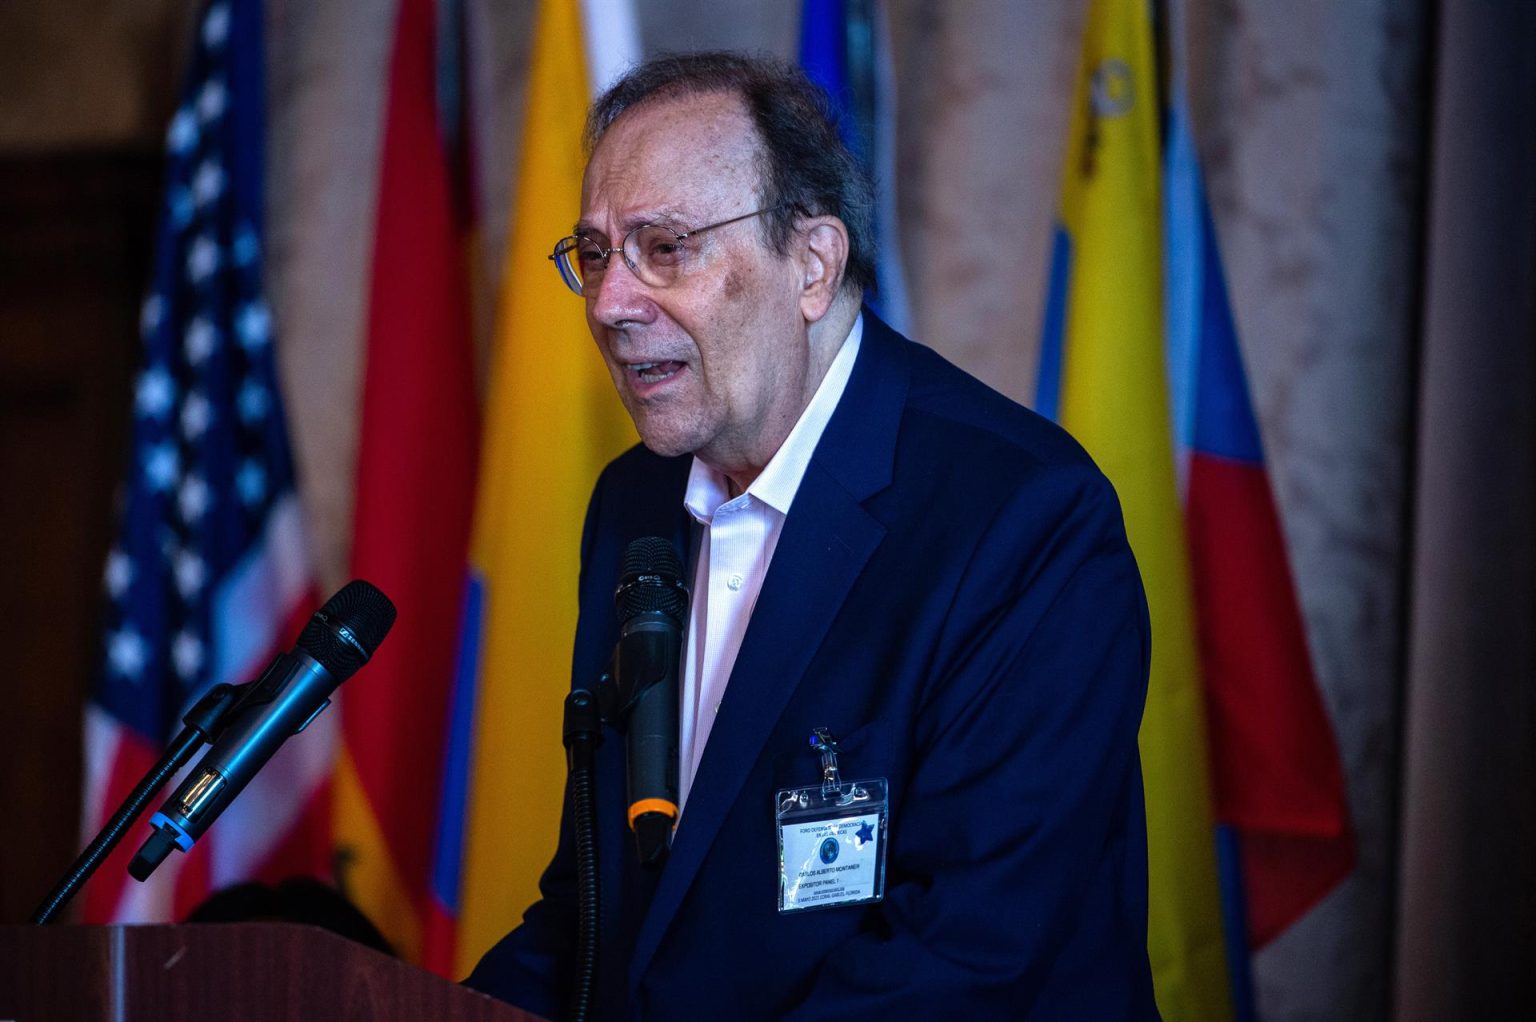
column 208, row 575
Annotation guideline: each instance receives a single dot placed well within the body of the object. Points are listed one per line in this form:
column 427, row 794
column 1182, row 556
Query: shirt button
column 734, row 582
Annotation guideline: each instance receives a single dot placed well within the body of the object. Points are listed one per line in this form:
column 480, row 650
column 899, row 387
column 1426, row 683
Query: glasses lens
column 657, row 254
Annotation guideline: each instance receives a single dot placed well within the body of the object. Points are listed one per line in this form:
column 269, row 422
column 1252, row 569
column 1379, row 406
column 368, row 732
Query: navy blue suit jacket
column 953, row 596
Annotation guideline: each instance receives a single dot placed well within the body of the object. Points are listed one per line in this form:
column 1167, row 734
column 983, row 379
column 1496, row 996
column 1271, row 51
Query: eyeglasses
column 656, row 254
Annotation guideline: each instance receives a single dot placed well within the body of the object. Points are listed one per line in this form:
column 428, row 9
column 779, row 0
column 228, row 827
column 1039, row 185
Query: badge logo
column 829, row 850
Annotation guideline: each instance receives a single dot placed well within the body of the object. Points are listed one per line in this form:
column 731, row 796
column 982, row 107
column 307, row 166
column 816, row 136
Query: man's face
column 715, row 363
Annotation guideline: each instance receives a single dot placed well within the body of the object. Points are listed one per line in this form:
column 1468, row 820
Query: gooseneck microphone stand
column 204, row 722
column 582, row 733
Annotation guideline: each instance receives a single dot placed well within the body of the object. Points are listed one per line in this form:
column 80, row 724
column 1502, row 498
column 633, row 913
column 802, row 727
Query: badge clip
column 831, row 780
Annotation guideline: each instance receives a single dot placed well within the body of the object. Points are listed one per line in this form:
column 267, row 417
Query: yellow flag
column 552, row 422
column 1113, row 396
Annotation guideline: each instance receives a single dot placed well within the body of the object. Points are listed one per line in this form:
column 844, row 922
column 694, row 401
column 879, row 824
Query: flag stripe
column 1053, row 334
column 449, row 859
column 1234, row 911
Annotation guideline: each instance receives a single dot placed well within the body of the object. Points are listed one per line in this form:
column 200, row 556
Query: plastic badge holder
column 832, row 838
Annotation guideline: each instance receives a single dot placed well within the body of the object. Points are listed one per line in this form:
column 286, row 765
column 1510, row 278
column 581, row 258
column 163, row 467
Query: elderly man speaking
column 906, row 590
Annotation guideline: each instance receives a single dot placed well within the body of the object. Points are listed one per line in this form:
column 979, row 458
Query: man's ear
column 823, row 251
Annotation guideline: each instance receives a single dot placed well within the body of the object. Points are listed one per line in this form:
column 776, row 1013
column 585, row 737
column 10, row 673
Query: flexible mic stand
column 582, row 734
column 204, row 722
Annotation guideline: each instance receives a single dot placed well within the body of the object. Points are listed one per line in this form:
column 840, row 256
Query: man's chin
column 667, row 443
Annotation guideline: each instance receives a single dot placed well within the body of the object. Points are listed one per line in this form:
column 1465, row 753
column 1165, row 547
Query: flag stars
column 190, row 571
column 162, row 465
column 193, row 498
column 211, row 100
column 207, row 183
column 187, row 654
column 182, row 135
column 119, row 573
column 251, row 482
column 254, row 324
column 202, row 258
column 254, row 401
column 127, row 652
column 202, row 337
column 154, row 393
column 196, row 416
column 216, row 26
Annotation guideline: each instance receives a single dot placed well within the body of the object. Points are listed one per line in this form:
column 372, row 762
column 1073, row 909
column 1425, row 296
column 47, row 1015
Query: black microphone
column 339, row 639
column 651, row 602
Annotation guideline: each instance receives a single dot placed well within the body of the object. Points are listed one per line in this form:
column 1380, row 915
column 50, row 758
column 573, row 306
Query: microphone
column 339, row 639
column 651, row 602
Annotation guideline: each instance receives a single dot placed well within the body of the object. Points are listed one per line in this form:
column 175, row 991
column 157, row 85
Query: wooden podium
column 228, row 972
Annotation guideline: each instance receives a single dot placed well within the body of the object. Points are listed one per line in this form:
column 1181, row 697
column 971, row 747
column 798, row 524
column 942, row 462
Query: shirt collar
column 776, row 485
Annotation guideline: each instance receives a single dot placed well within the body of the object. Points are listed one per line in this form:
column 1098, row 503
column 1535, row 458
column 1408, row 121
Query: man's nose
column 620, row 296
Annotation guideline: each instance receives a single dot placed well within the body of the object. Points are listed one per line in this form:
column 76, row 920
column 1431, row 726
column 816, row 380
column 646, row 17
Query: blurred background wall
column 1372, row 172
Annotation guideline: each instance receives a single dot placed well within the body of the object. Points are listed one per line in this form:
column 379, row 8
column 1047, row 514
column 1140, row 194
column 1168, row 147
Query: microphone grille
column 650, row 578
column 344, row 633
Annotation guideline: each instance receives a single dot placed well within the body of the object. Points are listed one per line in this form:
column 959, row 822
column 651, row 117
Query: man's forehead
column 668, row 159
column 720, row 115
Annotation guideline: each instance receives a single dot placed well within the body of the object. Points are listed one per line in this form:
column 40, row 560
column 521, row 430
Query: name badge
column 831, row 838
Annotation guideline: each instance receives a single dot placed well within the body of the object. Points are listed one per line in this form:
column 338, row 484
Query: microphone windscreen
column 650, row 578
column 344, row 633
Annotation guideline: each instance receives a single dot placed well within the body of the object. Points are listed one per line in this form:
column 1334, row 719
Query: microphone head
column 344, row 633
column 650, row 578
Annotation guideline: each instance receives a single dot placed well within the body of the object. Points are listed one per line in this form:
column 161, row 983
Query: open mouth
column 654, row 372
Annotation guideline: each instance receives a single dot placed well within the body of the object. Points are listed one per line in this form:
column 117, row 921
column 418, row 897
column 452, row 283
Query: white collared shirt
column 740, row 534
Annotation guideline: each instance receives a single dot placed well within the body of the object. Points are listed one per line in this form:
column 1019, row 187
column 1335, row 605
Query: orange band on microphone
column 651, row 805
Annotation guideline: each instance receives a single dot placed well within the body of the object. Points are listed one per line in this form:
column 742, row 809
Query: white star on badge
column 161, row 467
column 189, row 571
column 210, row 101
column 182, row 135
column 216, row 26
column 119, row 573
column 126, row 653
column 202, row 258
column 253, row 401
column 196, row 415
column 193, row 498
column 254, row 324
column 187, row 654
column 207, row 183
column 201, row 340
column 150, row 314
column 251, row 482
column 154, row 393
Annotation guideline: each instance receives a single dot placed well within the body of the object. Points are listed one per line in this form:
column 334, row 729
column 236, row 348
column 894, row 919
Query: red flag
column 417, row 457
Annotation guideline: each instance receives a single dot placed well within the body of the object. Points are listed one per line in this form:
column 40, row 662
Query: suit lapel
column 828, row 537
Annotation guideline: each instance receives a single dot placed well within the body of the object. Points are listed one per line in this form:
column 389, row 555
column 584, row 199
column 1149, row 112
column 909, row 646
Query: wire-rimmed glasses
column 655, row 253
